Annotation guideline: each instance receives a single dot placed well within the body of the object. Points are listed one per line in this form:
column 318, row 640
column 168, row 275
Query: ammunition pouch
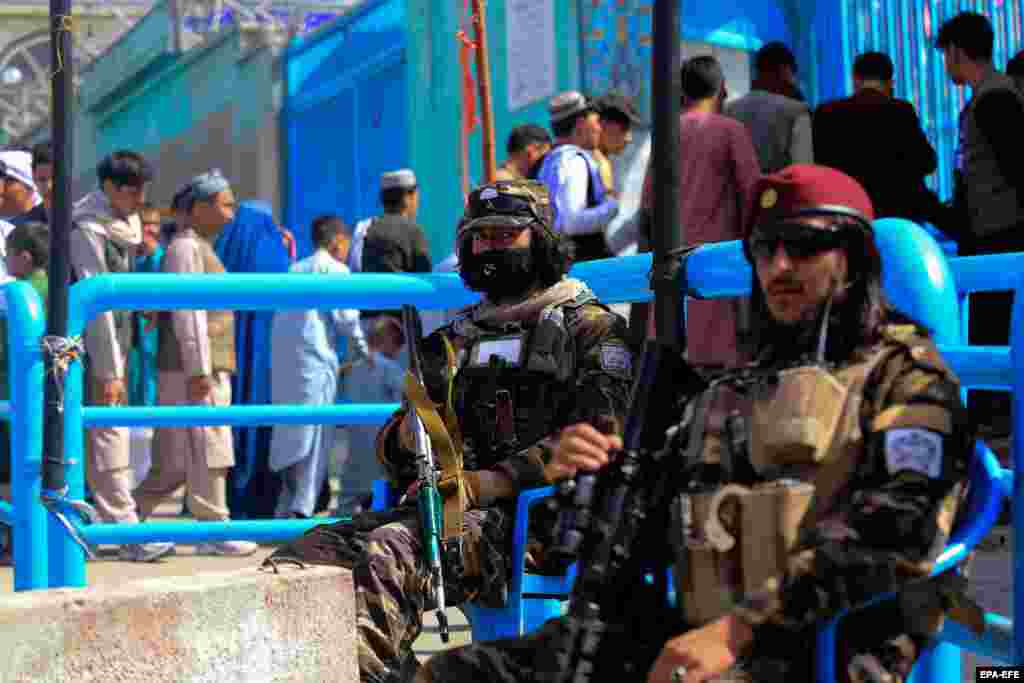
column 794, row 419
column 739, row 538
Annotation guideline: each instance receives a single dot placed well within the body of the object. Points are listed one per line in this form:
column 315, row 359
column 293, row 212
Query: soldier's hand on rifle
column 580, row 446
column 702, row 654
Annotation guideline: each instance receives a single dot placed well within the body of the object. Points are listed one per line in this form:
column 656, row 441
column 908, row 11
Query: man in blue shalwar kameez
column 304, row 369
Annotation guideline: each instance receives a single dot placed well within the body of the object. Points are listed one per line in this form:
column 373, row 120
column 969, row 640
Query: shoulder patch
column 616, row 358
column 919, row 450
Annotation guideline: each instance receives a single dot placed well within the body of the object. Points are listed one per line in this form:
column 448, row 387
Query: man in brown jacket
column 196, row 358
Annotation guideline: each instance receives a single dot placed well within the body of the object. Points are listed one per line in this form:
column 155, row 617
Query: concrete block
column 248, row 626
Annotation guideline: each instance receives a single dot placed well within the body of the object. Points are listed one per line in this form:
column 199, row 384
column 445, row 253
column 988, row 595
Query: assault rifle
column 605, row 514
column 633, row 495
column 428, row 497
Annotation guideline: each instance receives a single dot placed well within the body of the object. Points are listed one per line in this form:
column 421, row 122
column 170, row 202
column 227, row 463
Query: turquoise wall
column 169, row 104
column 213, row 105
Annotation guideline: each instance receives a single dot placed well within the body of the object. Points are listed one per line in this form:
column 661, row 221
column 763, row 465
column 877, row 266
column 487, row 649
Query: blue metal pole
column 719, row 270
column 1017, row 354
column 980, row 366
column 996, row 642
column 992, row 272
column 67, row 559
column 366, row 414
column 192, row 533
column 938, row 664
column 25, row 325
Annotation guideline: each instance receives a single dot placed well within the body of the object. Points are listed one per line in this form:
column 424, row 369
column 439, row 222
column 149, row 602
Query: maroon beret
column 808, row 190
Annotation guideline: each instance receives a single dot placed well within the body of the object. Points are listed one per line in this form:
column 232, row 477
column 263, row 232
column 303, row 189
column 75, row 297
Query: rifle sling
column 450, row 484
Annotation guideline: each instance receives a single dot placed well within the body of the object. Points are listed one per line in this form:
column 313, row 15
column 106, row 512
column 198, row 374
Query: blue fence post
column 67, row 559
column 1017, row 396
column 26, row 322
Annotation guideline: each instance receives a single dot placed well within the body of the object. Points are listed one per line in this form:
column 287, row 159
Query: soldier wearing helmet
column 825, row 474
column 536, row 354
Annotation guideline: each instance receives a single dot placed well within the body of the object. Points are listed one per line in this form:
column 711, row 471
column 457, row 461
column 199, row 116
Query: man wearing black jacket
column 394, row 242
column 877, row 139
column 989, row 195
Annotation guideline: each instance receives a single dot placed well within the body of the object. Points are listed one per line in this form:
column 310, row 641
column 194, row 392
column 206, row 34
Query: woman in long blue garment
column 253, row 243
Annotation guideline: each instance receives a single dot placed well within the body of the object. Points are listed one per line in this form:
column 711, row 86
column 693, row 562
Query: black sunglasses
column 502, row 204
column 800, row 241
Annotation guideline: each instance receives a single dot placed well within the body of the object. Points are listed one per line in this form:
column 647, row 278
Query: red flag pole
column 483, row 72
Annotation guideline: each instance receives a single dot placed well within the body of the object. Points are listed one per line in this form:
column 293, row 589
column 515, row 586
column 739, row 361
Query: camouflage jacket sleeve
column 602, row 379
column 895, row 515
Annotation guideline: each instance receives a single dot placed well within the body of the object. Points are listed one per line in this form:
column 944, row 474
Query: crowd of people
column 532, row 380
column 216, row 358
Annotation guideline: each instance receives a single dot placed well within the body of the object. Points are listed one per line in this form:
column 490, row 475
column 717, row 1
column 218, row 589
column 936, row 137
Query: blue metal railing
column 26, row 323
column 717, row 270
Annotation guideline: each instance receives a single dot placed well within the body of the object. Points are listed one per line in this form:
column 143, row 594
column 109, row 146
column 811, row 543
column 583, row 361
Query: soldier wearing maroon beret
column 831, row 472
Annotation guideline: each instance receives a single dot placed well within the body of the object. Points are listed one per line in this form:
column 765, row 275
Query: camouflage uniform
column 883, row 529
column 587, row 379
column 875, row 441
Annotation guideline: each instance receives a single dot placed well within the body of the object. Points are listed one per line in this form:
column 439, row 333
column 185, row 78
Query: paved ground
column 990, row 581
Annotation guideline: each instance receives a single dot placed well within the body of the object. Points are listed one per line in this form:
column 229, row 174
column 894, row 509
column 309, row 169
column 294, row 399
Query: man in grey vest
column 989, row 189
column 773, row 111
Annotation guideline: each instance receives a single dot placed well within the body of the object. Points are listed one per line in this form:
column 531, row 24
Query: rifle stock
column 428, row 498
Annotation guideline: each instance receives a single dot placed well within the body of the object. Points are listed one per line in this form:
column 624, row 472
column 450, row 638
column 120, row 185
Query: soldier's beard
column 499, row 273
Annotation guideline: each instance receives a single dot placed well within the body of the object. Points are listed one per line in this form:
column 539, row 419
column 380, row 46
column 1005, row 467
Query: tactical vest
column 992, row 202
column 740, row 536
column 586, row 247
column 220, row 327
column 536, row 366
column 117, row 259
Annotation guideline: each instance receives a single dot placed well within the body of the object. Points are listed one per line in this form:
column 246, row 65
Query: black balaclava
column 499, row 273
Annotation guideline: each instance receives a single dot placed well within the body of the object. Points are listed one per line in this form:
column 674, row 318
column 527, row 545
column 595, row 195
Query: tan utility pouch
column 718, row 570
column 705, row 577
column 794, row 420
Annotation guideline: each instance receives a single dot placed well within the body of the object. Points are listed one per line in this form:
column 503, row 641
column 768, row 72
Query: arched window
column 25, row 83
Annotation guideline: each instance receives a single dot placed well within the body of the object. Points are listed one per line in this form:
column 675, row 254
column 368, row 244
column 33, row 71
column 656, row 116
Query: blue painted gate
column 345, row 116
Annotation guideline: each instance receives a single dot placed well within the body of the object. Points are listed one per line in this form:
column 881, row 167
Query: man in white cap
column 393, row 242
column 582, row 204
column 19, row 192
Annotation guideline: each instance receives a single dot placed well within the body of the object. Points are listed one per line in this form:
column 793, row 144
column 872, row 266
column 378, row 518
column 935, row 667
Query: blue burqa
column 252, row 244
